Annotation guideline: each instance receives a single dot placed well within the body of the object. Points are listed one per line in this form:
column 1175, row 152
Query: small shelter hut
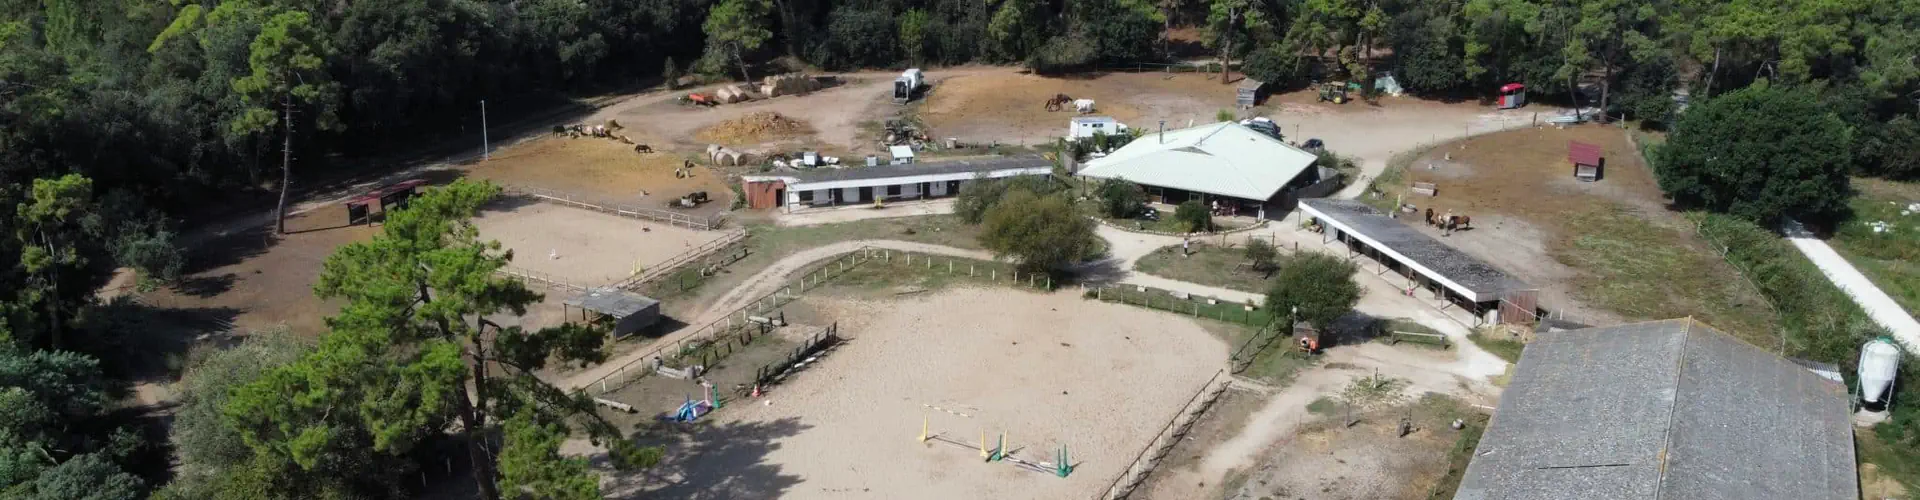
column 1249, row 93
column 629, row 312
column 360, row 210
column 1588, row 165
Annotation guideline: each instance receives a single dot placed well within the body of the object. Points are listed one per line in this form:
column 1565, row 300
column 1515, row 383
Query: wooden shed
column 629, row 312
column 1588, row 164
column 1249, row 93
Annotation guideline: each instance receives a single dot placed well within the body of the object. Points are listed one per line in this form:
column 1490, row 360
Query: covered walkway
column 1448, row 275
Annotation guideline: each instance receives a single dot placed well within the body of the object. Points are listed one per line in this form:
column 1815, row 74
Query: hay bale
column 753, row 129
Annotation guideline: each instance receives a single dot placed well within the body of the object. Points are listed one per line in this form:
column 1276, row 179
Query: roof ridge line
column 1666, row 435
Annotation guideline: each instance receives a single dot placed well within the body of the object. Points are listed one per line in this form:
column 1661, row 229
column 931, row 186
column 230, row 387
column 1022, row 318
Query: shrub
column 1121, row 199
column 1262, row 255
column 1193, row 216
column 1038, row 232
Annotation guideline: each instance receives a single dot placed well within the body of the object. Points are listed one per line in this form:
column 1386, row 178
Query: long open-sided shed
column 1448, row 273
column 1663, row 409
column 630, row 312
column 822, row 187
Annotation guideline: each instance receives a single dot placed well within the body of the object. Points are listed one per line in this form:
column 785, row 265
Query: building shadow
column 709, row 460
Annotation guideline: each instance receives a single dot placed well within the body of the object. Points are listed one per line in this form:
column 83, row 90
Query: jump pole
column 983, row 446
column 923, row 429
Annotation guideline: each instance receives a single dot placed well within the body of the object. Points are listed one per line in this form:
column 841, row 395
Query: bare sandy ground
column 583, row 247
column 1048, row 369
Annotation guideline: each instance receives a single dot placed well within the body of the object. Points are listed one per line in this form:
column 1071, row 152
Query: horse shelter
column 1449, row 275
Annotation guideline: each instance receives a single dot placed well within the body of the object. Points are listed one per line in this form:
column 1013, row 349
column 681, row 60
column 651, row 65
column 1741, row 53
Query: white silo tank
column 1879, row 361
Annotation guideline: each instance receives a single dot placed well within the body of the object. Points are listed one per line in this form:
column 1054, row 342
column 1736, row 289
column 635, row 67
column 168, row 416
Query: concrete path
column 1878, row 305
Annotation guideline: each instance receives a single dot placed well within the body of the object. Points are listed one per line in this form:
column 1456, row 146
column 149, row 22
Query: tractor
column 1333, row 91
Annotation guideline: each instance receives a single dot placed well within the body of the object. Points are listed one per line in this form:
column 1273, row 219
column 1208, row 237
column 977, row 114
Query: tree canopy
column 1316, row 288
column 1762, row 153
column 1041, row 233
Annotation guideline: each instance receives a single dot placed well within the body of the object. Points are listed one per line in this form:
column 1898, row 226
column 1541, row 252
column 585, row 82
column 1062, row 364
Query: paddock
column 1046, row 370
column 582, row 247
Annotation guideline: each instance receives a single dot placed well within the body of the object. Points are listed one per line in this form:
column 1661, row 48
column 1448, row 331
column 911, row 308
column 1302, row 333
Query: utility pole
column 486, row 151
column 286, row 164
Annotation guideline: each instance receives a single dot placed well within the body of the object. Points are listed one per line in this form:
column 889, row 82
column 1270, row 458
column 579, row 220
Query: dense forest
column 119, row 118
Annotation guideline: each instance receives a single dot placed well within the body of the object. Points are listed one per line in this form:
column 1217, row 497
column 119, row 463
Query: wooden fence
column 706, row 223
column 1163, row 441
column 641, row 279
column 1182, row 303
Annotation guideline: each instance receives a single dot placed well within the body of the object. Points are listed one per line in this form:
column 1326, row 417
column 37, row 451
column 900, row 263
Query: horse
column 642, row 149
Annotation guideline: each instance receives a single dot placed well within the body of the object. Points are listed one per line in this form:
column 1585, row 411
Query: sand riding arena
column 958, row 358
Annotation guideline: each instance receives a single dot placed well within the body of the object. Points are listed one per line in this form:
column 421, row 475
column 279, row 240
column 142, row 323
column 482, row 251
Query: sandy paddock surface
column 1049, row 369
column 605, row 170
column 594, row 248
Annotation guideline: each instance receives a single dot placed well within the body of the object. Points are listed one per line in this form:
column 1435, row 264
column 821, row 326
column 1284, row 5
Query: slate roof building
column 1447, row 274
column 1247, row 172
column 1663, row 410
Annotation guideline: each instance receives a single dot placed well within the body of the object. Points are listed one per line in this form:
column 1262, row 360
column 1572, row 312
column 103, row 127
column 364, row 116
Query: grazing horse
column 1461, row 222
column 1430, row 220
column 642, row 148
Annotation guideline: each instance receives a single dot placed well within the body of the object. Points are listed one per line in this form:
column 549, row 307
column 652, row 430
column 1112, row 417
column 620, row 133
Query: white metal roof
column 900, row 151
column 1226, row 159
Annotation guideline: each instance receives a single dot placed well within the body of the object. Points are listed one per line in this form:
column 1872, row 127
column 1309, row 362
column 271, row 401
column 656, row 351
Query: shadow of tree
column 205, row 286
column 228, row 249
column 709, row 460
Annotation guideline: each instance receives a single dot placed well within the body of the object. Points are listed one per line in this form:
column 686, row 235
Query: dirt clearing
column 754, row 128
column 252, row 280
column 580, row 246
column 1047, row 369
column 605, row 170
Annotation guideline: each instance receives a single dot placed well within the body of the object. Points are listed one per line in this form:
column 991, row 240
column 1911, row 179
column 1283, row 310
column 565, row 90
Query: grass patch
column 1507, row 349
column 1323, row 406
column 908, row 272
column 1207, row 265
column 768, row 243
column 1464, row 444
column 1278, row 364
column 1890, row 257
column 1900, row 465
column 1640, row 270
column 1193, row 306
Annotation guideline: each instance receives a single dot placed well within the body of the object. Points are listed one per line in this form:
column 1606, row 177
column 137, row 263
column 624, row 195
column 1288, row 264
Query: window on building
column 893, row 190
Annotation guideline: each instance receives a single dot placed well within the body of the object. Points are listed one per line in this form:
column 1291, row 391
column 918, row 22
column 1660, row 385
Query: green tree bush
column 1193, row 216
column 1039, row 233
column 1762, row 154
column 1316, row 287
column 414, row 349
column 1262, row 255
column 1121, row 199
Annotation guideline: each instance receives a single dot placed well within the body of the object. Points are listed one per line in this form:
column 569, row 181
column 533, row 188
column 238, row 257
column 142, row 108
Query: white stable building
column 826, row 187
column 1246, row 172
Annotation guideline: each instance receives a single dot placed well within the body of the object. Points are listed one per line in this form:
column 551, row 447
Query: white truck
column 908, row 84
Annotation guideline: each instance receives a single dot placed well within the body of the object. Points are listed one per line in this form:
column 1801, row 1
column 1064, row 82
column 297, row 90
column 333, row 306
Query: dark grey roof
column 921, row 168
column 1455, row 265
column 1663, row 409
column 611, row 301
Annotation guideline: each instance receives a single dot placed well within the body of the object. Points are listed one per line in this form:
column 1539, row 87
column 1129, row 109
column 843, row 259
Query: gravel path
column 1878, row 305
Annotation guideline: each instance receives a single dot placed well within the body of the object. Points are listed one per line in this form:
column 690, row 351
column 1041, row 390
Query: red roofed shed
column 395, row 194
column 1586, row 159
